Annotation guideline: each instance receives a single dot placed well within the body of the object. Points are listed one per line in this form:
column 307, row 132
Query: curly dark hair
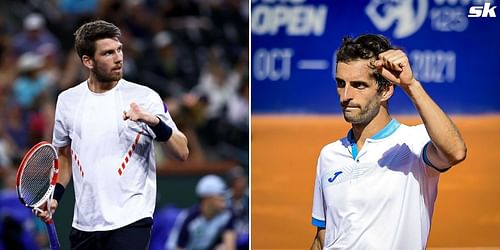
column 367, row 46
column 89, row 33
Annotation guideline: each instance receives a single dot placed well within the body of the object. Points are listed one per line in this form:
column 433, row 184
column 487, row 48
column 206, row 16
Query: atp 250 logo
column 482, row 11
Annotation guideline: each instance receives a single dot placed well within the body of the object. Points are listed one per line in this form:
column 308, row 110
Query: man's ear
column 88, row 62
column 387, row 93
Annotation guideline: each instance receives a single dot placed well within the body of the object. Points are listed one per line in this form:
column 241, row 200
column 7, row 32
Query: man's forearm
column 319, row 239
column 64, row 156
column 446, row 139
column 316, row 245
column 177, row 145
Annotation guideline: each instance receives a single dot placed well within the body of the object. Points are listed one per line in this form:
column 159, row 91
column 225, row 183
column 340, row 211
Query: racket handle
column 53, row 240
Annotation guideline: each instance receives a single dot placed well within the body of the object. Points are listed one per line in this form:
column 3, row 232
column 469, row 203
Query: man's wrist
column 152, row 120
column 58, row 192
column 162, row 131
column 412, row 86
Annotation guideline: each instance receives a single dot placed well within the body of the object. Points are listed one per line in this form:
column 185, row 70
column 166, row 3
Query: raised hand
column 137, row 114
column 395, row 67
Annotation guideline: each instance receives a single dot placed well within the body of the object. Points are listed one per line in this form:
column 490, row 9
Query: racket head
column 37, row 175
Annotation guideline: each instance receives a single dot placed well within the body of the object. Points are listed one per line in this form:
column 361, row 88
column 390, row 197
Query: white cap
column 29, row 61
column 34, row 21
column 210, row 185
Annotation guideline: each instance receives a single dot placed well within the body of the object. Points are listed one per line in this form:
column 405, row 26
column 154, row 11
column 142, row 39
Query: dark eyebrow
column 339, row 79
column 111, row 50
column 106, row 51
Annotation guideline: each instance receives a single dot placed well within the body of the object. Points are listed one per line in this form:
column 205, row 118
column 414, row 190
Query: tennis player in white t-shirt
column 104, row 131
column 376, row 187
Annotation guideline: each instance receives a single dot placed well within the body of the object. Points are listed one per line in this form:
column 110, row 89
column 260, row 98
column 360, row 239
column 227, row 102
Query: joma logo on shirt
column 331, row 179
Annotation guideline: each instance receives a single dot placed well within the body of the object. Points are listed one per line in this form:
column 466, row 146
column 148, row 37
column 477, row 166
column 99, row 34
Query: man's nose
column 345, row 93
column 118, row 57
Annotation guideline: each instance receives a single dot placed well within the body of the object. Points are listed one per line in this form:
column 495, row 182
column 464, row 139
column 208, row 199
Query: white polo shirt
column 113, row 162
column 381, row 197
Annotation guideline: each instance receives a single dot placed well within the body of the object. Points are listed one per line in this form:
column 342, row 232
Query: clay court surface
column 284, row 154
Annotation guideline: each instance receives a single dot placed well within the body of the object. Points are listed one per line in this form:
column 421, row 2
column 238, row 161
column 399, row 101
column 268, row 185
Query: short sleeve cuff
column 428, row 163
column 60, row 143
column 318, row 223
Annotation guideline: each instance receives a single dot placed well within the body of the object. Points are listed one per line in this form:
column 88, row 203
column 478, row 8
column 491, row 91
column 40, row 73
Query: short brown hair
column 89, row 33
column 367, row 46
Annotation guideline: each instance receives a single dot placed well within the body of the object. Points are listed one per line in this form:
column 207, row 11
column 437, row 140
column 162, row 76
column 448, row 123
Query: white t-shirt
column 379, row 198
column 113, row 162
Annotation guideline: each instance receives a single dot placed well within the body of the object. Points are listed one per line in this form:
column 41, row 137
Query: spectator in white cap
column 209, row 224
column 30, row 85
column 34, row 36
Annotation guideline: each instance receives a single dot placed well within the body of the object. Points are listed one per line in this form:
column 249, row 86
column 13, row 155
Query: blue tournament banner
column 453, row 46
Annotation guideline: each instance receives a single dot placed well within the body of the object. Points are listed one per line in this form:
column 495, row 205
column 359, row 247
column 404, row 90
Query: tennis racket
column 36, row 180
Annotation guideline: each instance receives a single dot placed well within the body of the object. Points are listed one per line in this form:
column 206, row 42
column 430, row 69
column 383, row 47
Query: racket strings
column 35, row 180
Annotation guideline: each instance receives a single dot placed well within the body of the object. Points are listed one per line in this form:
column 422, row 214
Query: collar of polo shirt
column 388, row 130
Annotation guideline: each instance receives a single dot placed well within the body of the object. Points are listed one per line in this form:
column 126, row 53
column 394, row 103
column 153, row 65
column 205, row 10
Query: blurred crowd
column 219, row 220
column 194, row 53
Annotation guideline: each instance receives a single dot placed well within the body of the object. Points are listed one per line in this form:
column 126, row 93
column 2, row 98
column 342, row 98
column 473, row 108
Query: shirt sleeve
column 420, row 142
column 60, row 136
column 419, row 138
column 318, row 208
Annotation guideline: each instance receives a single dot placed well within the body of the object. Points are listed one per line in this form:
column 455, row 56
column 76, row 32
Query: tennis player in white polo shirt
column 376, row 187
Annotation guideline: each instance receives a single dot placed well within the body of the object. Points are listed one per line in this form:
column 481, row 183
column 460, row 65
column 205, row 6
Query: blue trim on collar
column 389, row 129
column 350, row 136
column 354, row 146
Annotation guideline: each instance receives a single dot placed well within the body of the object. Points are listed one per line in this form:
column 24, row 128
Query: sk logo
column 480, row 11
column 331, row 179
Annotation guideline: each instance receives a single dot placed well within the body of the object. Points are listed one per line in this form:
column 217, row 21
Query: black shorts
column 134, row 236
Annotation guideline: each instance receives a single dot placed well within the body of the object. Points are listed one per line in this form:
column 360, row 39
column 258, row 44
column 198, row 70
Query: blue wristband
column 162, row 131
column 58, row 192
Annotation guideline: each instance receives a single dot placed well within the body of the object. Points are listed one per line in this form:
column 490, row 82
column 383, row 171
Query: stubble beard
column 105, row 77
column 365, row 114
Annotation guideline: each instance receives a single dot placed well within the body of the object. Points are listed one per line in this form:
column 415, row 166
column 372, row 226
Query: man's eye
column 340, row 84
column 358, row 85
